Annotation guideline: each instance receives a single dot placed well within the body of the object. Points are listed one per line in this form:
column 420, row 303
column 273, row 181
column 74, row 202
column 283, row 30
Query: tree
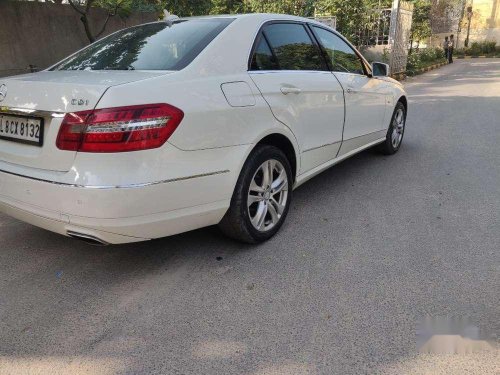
column 421, row 26
column 351, row 15
column 122, row 8
column 229, row 7
column 186, row 8
column 303, row 8
column 148, row 6
column 113, row 7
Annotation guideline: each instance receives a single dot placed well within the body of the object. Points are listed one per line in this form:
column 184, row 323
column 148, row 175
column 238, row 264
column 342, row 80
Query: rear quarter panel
column 209, row 120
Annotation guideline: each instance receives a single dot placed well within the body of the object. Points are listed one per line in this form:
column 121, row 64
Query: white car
column 175, row 125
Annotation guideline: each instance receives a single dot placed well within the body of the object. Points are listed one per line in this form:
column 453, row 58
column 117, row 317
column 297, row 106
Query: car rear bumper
column 118, row 214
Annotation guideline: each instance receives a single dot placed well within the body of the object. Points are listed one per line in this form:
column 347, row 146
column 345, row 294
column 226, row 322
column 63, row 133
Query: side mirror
column 380, row 69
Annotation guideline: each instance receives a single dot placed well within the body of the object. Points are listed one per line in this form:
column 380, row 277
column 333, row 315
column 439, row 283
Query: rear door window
column 154, row 46
column 263, row 58
column 291, row 48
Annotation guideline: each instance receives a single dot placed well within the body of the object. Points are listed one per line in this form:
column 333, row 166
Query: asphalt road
column 370, row 248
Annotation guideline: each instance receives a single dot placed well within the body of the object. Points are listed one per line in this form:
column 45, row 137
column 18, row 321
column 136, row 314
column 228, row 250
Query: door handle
column 290, row 90
column 350, row 90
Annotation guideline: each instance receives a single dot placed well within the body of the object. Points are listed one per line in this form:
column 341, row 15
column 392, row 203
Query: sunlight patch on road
column 60, row 365
column 486, row 63
column 291, row 368
column 485, row 363
column 219, row 349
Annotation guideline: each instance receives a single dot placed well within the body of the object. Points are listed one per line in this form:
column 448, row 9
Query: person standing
column 445, row 47
column 450, row 49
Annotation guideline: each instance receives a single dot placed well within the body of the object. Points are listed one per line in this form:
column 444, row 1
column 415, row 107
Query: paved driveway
column 370, row 247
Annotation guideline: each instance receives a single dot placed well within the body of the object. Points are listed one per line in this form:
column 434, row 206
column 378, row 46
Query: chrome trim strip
column 364, row 135
column 30, row 112
column 345, row 140
column 316, row 147
column 130, row 186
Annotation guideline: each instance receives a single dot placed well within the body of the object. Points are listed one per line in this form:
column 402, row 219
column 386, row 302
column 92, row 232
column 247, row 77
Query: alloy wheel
column 267, row 195
column 398, row 127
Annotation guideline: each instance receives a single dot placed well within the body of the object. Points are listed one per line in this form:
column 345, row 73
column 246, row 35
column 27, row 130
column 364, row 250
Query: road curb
column 476, row 57
column 427, row 68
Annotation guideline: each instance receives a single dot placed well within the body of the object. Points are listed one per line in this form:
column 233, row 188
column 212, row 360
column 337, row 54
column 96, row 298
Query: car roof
column 258, row 17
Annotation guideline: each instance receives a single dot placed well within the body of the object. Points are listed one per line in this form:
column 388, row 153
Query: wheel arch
column 282, row 142
column 403, row 100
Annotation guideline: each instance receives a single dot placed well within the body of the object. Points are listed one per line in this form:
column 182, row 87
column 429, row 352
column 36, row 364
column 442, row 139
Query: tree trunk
column 85, row 20
column 86, row 26
column 104, row 25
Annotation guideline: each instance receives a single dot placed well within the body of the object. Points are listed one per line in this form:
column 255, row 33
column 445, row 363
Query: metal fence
column 389, row 28
column 376, row 30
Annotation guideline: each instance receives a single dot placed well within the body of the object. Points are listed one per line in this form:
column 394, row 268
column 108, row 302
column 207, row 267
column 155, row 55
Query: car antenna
column 170, row 19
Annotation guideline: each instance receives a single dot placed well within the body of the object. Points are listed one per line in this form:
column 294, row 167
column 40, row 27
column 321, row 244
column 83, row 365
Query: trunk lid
column 48, row 96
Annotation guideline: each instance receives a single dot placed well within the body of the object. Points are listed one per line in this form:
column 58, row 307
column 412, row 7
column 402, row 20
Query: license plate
column 21, row 129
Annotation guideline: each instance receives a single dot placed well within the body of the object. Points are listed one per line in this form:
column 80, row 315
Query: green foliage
column 350, row 15
column 386, row 56
column 303, row 8
column 421, row 26
column 186, row 8
column 459, row 52
column 229, row 7
column 424, row 58
column 488, row 46
column 148, row 6
column 123, row 8
column 485, row 48
column 475, row 49
column 413, row 62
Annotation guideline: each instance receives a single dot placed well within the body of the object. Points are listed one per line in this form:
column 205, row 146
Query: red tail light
column 120, row 129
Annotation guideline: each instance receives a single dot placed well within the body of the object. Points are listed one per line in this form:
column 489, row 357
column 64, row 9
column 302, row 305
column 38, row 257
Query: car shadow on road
column 208, row 243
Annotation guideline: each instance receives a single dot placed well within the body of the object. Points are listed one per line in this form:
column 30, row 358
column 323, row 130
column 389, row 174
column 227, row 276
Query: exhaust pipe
column 87, row 238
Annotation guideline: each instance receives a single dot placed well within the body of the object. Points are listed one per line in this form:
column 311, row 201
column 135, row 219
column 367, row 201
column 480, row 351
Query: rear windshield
column 154, row 46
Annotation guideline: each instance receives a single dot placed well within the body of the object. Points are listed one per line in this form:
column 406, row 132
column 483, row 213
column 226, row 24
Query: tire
column 391, row 145
column 269, row 205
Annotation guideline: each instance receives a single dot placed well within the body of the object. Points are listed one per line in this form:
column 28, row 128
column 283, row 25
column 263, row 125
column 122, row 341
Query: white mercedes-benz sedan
column 171, row 126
